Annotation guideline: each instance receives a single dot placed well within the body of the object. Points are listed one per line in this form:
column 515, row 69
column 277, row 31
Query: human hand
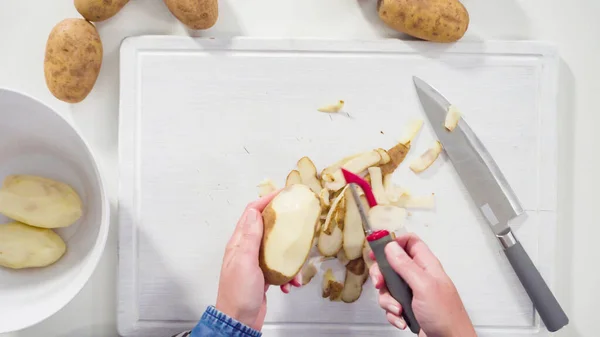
column 436, row 303
column 242, row 287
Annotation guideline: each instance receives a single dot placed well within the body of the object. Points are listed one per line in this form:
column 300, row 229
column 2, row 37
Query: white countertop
column 571, row 25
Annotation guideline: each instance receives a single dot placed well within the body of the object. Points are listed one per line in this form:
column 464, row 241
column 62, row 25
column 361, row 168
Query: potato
column 196, row 14
column 73, row 59
column 99, row 10
column 290, row 220
column 431, row 20
column 23, row 246
column 39, row 202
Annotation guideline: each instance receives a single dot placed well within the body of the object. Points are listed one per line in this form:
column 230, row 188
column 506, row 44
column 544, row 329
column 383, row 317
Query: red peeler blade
column 352, row 178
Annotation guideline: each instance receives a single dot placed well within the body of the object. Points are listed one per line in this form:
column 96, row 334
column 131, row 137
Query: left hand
column 242, row 287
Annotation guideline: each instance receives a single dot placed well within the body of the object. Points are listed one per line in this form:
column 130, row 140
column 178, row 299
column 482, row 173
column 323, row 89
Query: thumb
column 250, row 232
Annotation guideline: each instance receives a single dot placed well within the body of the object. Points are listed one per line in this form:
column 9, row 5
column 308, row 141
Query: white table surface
column 571, row 25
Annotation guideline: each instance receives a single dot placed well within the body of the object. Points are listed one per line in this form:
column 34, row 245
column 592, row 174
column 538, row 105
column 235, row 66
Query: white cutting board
column 202, row 121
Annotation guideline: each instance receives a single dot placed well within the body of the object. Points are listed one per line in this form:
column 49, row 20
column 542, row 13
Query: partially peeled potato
column 290, row 221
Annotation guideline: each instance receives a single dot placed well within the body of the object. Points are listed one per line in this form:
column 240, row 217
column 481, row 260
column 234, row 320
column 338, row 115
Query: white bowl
column 36, row 140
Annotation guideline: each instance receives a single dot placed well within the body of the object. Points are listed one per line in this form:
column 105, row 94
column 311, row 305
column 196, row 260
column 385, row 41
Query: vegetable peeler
column 377, row 240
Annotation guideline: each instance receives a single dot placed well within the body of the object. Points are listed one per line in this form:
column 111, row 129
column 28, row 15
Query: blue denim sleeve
column 216, row 324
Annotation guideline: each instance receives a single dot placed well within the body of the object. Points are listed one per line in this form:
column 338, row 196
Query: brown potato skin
column 431, row 20
column 196, row 14
column 99, row 10
column 397, row 155
column 73, row 59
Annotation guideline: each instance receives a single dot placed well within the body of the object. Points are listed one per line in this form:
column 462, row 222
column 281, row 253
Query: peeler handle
column 398, row 288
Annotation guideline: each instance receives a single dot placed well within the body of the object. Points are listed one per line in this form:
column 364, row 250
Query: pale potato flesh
column 426, row 159
column 39, row 201
column 266, row 187
column 290, row 230
column 355, row 165
column 354, row 234
column 452, row 118
column 377, row 186
column 293, row 178
column 308, row 174
column 23, row 246
column 356, row 275
column 390, row 218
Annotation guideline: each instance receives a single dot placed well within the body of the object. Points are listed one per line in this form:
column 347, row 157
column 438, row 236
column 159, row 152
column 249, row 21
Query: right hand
column 436, row 303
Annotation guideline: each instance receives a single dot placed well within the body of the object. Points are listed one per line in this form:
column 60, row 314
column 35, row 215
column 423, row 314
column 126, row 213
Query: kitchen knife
column 493, row 196
column 377, row 240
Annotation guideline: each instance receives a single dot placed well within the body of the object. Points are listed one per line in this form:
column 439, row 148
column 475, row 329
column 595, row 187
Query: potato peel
column 411, row 131
column 426, row 159
column 356, row 275
column 355, row 165
column 333, row 108
column 390, row 218
column 293, row 178
column 377, row 186
column 266, row 187
column 308, row 174
column 452, row 118
column 354, row 233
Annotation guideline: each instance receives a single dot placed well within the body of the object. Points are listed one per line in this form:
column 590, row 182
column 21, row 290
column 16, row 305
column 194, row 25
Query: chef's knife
column 377, row 240
column 493, row 196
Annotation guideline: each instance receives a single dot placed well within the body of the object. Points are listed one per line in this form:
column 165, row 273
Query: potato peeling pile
column 38, row 205
column 315, row 221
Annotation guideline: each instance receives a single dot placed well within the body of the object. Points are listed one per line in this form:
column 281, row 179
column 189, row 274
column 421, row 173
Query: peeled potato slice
column 331, row 236
column 356, row 275
column 355, row 165
column 390, row 218
column 39, row 202
column 327, row 173
column 293, row 178
column 426, row 202
column 266, row 187
column 23, row 246
column 354, row 234
column 377, row 186
column 332, row 289
column 308, row 174
column 290, row 220
column 332, row 108
column 426, row 159
column 397, row 155
column 452, row 118
column 412, row 129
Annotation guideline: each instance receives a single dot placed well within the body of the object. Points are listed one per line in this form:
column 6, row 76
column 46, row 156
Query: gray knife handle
column 544, row 301
column 395, row 284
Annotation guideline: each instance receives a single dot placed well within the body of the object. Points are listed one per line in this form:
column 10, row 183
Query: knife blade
column 492, row 195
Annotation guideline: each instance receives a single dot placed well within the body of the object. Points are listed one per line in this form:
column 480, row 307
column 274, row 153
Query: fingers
column 396, row 321
column 376, row 276
column 261, row 203
column 248, row 233
column 295, row 282
column 418, row 250
column 404, row 265
column 388, row 303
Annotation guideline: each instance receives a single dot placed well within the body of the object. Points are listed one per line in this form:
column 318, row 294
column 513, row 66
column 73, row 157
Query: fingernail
column 254, row 215
column 394, row 309
column 400, row 323
column 374, row 280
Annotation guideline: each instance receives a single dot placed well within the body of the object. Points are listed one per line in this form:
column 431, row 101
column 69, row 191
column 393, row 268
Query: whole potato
column 99, row 10
column 73, row 59
column 39, row 202
column 431, row 20
column 196, row 14
column 23, row 246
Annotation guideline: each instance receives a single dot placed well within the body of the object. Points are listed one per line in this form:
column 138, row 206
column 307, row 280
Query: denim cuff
column 222, row 325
